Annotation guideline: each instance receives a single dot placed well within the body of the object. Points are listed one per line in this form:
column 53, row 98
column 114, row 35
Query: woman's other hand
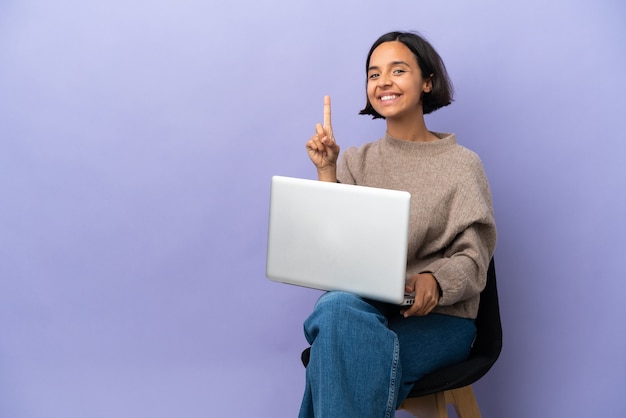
column 426, row 291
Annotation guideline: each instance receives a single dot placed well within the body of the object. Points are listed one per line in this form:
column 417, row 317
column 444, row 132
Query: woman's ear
column 428, row 84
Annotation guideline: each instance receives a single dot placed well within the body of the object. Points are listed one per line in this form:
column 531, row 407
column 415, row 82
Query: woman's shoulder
column 465, row 155
column 363, row 147
column 362, row 151
column 355, row 159
column 468, row 155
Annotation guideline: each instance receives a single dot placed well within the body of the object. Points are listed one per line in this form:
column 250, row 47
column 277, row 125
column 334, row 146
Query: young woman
column 365, row 356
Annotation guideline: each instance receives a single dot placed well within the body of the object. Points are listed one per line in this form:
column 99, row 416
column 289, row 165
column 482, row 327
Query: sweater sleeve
column 462, row 270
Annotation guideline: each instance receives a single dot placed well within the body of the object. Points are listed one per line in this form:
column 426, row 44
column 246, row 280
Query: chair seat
column 452, row 377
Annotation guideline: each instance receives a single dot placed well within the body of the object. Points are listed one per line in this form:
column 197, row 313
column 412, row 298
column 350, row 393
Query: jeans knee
column 337, row 300
column 341, row 313
column 338, row 307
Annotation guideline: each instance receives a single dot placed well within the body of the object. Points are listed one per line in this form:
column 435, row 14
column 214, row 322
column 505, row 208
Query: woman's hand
column 426, row 291
column 322, row 148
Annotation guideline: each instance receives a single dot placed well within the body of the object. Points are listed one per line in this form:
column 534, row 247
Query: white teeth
column 390, row 97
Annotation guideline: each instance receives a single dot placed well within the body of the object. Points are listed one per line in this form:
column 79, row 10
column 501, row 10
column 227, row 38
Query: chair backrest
column 488, row 322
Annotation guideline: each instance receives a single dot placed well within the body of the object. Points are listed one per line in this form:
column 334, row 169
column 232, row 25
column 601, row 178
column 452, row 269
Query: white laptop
column 332, row 236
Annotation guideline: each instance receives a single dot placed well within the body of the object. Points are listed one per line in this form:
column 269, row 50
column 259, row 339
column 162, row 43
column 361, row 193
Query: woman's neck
column 413, row 130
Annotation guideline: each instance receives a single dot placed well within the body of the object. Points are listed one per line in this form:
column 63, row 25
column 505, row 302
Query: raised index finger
column 327, row 123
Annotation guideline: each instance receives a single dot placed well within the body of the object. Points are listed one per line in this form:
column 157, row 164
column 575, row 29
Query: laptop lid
column 332, row 236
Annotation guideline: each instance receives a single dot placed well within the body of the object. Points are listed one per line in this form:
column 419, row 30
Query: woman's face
column 394, row 81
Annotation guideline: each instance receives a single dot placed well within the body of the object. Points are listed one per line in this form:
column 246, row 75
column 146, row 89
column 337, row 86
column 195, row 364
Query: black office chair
column 452, row 385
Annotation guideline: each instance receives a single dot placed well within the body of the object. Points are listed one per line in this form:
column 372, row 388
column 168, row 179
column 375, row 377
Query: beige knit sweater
column 452, row 229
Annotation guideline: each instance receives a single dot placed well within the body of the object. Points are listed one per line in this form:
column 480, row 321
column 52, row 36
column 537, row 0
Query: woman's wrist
column 327, row 175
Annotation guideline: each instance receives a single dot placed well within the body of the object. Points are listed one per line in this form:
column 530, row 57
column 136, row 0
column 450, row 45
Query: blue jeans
column 365, row 356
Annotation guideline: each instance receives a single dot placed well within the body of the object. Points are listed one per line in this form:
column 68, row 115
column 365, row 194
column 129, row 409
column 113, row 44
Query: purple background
column 137, row 141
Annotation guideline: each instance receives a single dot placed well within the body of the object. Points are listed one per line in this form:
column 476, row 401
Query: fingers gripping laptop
column 332, row 236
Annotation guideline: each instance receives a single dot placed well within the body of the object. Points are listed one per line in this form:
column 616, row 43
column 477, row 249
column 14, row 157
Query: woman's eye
column 373, row 76
column 398, row 71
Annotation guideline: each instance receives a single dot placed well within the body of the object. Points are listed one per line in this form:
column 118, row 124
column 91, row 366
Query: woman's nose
column 384, row 80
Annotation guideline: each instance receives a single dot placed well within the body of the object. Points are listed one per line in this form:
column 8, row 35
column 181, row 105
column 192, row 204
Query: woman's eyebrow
column 375, row 67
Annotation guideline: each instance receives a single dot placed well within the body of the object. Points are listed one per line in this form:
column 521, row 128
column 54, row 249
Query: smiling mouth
column 388, row 97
